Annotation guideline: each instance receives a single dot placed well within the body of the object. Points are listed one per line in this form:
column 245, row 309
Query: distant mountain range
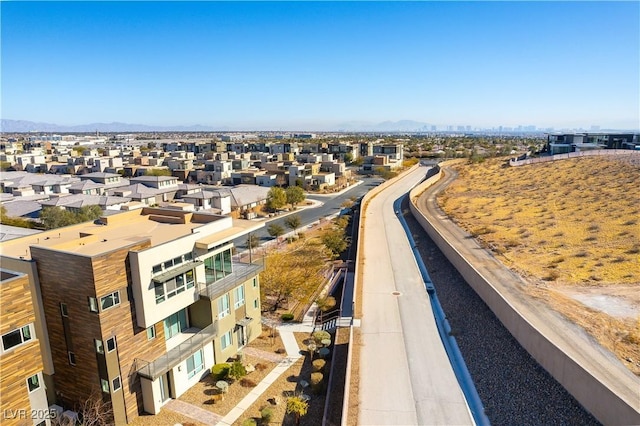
column 20, row 126
column 17, row 126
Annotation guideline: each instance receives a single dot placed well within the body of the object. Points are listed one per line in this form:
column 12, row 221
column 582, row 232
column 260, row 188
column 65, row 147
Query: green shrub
column 318, row 365
column 237, row 370
column 265, row 415
column 249, row 422
column 321, row 335
column 286, row 316
column 220, row 371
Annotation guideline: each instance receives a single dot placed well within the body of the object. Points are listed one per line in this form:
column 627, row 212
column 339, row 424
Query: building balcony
column 156, row 368
column 241, row 273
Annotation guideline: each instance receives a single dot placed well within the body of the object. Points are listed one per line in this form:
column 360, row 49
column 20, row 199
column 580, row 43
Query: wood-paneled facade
column 23, row 361
column 72, row 278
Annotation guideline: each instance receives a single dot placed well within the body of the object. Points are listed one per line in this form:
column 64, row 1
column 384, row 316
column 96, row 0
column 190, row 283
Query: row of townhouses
column 56, row 174
column 55, row 156
column 132, row 309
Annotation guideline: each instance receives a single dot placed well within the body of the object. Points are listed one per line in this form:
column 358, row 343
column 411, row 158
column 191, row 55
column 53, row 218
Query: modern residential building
column 135, row 307
column 560, row 143
column 22, row 386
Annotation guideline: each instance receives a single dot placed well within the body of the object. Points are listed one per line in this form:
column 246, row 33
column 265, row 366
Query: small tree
column 237, row 370
column 295, row 195
column 253, row 241
column 276, row 198
column 93, row 411
column 297, row 406
column 275, row 230
column 293, row 222
column 335, row 241
column 55, row 217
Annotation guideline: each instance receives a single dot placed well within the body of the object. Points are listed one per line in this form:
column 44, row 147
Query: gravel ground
column 514, row 389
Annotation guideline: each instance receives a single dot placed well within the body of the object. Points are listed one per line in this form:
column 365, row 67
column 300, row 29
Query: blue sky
column 306, row 65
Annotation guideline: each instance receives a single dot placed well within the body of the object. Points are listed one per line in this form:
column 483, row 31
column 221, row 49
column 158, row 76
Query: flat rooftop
column 121, row 230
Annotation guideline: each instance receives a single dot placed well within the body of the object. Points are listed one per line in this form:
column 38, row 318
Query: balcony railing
column 241, row 273
column 154, row 369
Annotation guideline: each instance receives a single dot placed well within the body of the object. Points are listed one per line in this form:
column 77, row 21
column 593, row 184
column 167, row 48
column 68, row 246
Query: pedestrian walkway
column 293, row 354
column 266, row 355
column 193, row 412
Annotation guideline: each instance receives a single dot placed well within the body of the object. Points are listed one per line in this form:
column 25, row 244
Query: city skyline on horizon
column 403, row 126
column 309, row 65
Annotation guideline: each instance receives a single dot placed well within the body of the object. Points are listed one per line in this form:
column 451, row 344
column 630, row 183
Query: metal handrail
column 154, row 369
column 241, row 272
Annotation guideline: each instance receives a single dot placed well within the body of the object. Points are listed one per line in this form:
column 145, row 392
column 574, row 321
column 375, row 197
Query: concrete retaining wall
column 596, row 395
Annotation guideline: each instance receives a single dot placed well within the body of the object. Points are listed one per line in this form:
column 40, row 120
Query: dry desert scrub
column 567, row 223
column 573, row 221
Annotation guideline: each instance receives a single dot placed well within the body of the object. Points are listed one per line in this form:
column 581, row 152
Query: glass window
column 111, row 344
column 11, row 339
column 157, row 269
column 255, row 303
column 110, row 300
column 63, row 310
column 223, row 306
column 195, row 364
column 159, row 290
column 188, row 277
column 151, row 332
column 255, row 282
column 93, row 304
column 168, row 264
column 16, row 337
column 72, row 358
column 116, row 383
column 174, row 286
column 99, row 346
column 170, row 287
column 26, row 333
column 175, row 324
column 105, row 385
column 179, row 284
column 33, row 382
column 227, row 261
column 177, row 261
column 218, row 266
column 188, row 256
column 225, row 341
column 238, row 296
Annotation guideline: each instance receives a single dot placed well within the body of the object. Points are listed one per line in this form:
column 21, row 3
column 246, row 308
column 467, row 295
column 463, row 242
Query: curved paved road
column 405, row 374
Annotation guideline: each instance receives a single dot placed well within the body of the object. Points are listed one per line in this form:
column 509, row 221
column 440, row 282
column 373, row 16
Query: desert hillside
column 572, row 228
